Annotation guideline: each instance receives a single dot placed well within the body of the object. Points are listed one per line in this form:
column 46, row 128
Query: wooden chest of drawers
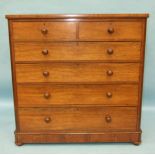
column 77, row 78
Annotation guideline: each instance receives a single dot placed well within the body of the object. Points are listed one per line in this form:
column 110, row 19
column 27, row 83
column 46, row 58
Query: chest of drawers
column 77, row 78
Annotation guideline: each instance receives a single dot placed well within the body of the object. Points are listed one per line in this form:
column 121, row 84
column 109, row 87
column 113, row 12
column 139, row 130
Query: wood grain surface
column 77, row 72
column 48, row 95
column 78, row 119
column 78, row 51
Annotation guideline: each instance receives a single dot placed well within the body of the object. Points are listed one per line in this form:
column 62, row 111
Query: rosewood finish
column 77, row 78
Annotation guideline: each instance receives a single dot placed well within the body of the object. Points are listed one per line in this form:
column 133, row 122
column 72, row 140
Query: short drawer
column 69, row 51
column 46, row 95
column 78, row 119
column 78, row 72
column 34, row 31
column 110, row 30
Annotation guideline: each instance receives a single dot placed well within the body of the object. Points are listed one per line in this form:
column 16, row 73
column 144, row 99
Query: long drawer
column 77, row 72
column 69, row 51
column 110, row 30
column 40, row 31
column 90, row 119
column 46, row 95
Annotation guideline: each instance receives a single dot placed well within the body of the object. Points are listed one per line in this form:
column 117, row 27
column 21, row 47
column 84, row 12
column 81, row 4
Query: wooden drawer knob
column 47, row 95
column 109, row 94
column 45, row 52
column 44, row 31
column 108, row 118
column 110, row 51
column 46, row 73
column 47, row 119
column 109, row 72
column 110, row 30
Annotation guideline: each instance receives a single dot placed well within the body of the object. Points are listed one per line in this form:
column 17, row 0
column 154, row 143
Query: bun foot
column 19, row 143
column 137, row 143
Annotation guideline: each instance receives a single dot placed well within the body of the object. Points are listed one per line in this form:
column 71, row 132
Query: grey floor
column 7, row 145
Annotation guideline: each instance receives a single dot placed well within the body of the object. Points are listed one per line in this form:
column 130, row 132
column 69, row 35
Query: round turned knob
column 109, row 94
column 44, row 31
column 110, row 51
column 46, row 95
column 45, row 52
column 108, row 118
column 45, row 74
column 110, row 30
column 47, row 119
column 109, row 72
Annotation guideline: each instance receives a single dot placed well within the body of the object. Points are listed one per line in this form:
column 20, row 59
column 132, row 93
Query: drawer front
column 108, row 51
column 49, row 95
column 77, row 72
column 78, row 119
column 110, row 30
column 33, row 31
